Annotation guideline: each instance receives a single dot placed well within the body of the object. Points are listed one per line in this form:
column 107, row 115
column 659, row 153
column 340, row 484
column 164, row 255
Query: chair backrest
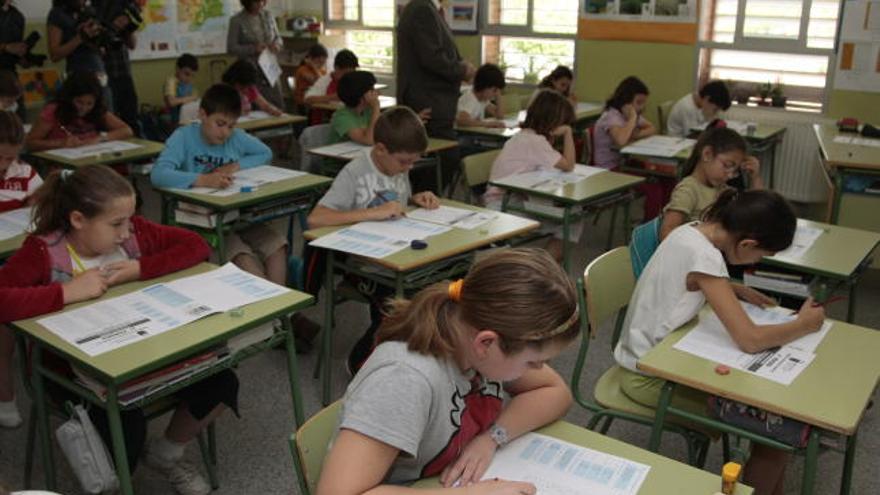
column 663, row 110
column 645, row 239
column 476, row 167
column 189, row 112
column 589, row 158
column 609, row 285
column 309, row 446
column 313, row 137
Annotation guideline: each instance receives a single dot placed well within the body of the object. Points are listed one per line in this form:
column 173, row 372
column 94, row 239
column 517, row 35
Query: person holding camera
column 116, row 58
column 71, row 37
column 250, row 32
column 12, row 45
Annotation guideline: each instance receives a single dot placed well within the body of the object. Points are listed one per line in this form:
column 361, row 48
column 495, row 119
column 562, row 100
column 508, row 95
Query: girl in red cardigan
column 86, row 239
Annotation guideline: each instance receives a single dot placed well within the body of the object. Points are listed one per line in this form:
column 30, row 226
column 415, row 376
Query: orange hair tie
column 454, row 290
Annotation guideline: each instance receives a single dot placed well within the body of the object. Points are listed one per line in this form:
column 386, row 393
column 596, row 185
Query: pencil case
column 759, row 421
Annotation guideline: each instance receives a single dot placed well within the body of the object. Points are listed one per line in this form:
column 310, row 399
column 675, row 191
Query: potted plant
column 741, row 92
column 764, row 91
column 777, row 97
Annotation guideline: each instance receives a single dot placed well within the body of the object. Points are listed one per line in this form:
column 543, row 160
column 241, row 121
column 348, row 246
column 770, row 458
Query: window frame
column 358, row 25
column 766, row 45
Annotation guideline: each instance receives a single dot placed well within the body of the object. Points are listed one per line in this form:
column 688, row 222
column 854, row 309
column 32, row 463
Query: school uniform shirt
column 691, row 197
column 18, row 184
column 605, row 153
column 469, row 104
column 80, row 127
column 661, row 302
column 360, row 184
column 424, row 406
column 345, row 120
column 176, row 89
column 524, row 152
column 187, row 155
column 30, row 281
column 684, row 116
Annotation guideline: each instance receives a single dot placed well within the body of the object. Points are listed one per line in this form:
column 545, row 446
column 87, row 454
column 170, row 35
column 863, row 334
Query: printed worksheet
column 804, row 238
column 254, row 115
column 14, row 223
column 112, row 323
column 666, row 146
column 379, row 239
column 551, row 180
column 345, row 149
column 93, row 150
column 557, row 467
column 452, row 216
column 250, row 178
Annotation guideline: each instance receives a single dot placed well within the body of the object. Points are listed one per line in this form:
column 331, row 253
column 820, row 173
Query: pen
column 825, row 304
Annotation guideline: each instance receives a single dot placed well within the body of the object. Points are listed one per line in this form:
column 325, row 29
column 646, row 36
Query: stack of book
column 201, row 216
column 780, row 281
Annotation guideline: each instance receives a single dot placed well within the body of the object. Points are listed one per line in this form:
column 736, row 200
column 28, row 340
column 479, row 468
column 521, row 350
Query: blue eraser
column 246, row 189
column 417, row 244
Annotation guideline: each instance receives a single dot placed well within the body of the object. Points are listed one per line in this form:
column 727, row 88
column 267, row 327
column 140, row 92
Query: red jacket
column 27, row 289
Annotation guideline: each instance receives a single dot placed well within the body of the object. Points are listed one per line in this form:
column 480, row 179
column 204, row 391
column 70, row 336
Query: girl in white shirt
column 687, row 271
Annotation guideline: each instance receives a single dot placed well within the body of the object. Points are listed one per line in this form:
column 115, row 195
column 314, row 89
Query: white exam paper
column 452, row 217
column 378, row 239
column 557, row 467
column 268, row 63
column 551, row 180
column 804, row 238
column 254, row 115
column 250, row 177
column 93, row 149
column 344, row 149
column 666, row 146
column 14, row 223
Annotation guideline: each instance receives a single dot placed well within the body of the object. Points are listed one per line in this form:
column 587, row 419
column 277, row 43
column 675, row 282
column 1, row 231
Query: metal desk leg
column 117, row 441
column 849, row 460
column 851, row 304
column 292, row 371
column 566, row 251
column 398, row 284
column 771, row 150
column 660, row 415
column 836, row 197
column 505, row 200
column 810, row 457
column 221, row 242
column 327, row 337
column 42, row 416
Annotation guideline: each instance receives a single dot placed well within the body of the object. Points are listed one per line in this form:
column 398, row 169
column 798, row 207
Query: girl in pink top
column 548, row 118
column 621, row 123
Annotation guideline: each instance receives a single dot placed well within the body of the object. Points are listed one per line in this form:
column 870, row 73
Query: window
column 529, row 38
column 367, row 26
column 781, row 42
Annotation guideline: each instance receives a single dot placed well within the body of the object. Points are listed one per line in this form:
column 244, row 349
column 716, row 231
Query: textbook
column 186, row 216
column 779, row 281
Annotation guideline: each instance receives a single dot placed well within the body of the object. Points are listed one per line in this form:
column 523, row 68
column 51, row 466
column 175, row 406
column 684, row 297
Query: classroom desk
column 332, row 106
column 843, row 160
column 435, row 147
column 148, row 149
column 271, row 127
column 571, row 197
column 839, row 256
column 284, row 198
column 831, row 393
column 447, row 255
column 587, row 112
column 666, row 476
column 8, row 247
column 114, row 368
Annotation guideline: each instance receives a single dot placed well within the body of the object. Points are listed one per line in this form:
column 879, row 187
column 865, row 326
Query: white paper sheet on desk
column 15, row 222
column 710, row 340
column 550, row 180
column 250, row 177
column 93, row 149
column 268, row 63
column 804, row 238
column 585, row 107
column 254, row 115
column 452, row 216
column 557, row 467
column 345, row 149
column 113, row 323
column 659, row 146
column 378, row 239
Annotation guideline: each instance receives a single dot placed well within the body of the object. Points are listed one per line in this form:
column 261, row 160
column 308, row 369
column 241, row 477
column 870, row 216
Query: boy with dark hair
column 375, row 186
column 179, row 89
column 483, row 99
column 324, row 89
column 356, row 121
column 696, row 110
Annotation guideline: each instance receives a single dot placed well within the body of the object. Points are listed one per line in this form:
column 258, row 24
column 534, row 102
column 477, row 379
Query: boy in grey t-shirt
column 375, row 186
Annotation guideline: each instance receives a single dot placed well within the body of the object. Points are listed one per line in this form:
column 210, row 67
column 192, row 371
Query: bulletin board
column 858, row 53
column 665, row 21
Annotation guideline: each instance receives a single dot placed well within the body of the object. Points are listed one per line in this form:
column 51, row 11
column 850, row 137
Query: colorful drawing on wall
column 39, row 85
column 461, row 15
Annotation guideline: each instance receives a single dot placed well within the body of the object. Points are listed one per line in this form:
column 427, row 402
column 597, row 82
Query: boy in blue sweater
column 207, row 154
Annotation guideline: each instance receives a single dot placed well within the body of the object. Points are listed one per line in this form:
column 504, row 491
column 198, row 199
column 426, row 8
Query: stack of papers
column 252, row 178
column 344, row 149
column 378, row 239
column 710, row 340
column 112, row 323
column 111, row 147
column 14, row 223
column 452, row 217
column 666, row 146
column 857, row 140
column 804, row 238
column 551, row 180
column 557, row 467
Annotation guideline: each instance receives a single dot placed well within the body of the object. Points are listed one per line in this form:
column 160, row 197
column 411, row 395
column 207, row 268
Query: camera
column 108, row 36
column 30, row 59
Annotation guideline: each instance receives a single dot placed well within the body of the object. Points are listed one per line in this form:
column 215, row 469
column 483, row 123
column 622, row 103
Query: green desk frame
column 148, row 149
column 844, row 160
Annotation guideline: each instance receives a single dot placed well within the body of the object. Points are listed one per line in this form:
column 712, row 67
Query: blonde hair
column 523, row 295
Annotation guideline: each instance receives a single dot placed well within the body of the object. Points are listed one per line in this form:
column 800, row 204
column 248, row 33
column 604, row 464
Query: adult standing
column 71, row 35
column 118, row 63
column 429, row 75
column 12, row 45
column 250, row 32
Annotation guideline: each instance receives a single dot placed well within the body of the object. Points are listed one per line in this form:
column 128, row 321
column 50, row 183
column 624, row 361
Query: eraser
column 417, row 244
column 246, row 189
column 722, row 369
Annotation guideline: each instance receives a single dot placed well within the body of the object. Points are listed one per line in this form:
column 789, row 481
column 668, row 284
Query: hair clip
column 454, row 290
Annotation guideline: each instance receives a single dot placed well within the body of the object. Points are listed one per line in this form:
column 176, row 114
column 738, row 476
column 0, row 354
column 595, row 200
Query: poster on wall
column 858, row 56
column 461, row 15
column 172, row 27
column 39, row 85
column 156, row 35
column 642, row 10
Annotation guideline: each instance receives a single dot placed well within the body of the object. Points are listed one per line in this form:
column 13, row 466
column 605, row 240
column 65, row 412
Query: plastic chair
column 663, row 110
column 604, row 292
column 645, row 239
column 313, row 137
column 475, row 170
column 308, row 446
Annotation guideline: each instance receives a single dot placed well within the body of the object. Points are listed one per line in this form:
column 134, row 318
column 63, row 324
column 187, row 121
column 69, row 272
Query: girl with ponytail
column 428, row 401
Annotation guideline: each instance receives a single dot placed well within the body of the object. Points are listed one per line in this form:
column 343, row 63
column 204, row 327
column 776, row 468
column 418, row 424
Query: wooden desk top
column 147, row 149
column 845, row 155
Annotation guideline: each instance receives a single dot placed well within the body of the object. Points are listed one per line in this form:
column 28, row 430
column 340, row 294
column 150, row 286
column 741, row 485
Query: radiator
column 798, row 174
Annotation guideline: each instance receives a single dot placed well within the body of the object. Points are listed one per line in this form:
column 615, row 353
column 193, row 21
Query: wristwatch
column 499, row 434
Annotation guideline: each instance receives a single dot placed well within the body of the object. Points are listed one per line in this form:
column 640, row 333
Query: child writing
column 560, row 80
column 86, row 238
column 77, row 117
column 309, row 71
column 375, row 186
column 483, row 99
column 688, row 270
column 622, row 122
column 695, row 110
column 179, row 89
column 357, row 120
column 717, row 157
column 243, row 76
column 18, row 180
column 428, row 402
column 548, row 118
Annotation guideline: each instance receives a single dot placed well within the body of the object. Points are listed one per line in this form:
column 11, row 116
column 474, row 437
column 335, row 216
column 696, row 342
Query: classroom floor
column 253, row 451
